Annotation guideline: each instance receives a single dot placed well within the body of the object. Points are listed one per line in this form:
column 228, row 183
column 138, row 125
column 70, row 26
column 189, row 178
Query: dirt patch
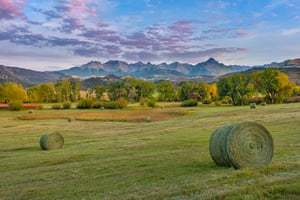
column 133, row 116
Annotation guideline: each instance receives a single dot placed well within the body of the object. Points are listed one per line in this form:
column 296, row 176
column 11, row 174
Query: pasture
column 167, row 158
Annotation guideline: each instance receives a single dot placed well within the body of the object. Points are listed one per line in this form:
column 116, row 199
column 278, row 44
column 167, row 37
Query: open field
column 165, row 159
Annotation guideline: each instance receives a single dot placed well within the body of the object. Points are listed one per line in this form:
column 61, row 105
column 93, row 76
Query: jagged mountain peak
column 211, row 61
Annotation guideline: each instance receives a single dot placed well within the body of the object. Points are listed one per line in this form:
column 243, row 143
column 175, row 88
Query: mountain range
column 150, row 71
column 207, row 71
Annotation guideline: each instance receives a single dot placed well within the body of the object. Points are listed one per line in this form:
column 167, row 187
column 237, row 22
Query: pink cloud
column 11, row 9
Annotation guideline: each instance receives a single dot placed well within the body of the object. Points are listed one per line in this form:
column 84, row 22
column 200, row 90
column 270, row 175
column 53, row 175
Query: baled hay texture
column 71, row 119
column 147, row 119
column 263, row 103
column 252, row 105
column 51, row 141
column 242, row 144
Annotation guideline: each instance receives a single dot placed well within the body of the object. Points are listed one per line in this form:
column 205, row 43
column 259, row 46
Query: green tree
column 237, row 87
column 166, row 91
column 99, row 91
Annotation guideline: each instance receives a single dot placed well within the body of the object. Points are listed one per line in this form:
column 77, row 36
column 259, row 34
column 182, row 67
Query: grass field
column 164, row 159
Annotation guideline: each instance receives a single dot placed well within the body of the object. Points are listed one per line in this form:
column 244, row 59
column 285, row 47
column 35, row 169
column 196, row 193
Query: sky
column 59, row 34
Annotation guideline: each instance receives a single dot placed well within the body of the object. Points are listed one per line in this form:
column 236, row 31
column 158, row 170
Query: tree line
column 269, row 85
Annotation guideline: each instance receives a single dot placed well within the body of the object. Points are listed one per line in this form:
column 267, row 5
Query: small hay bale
column 147, row 119
column 51, row 141
column 242, row 144
column 263, row 103
column 102, row 108
column 71, row 119
column 252, row 105
column 30, row 111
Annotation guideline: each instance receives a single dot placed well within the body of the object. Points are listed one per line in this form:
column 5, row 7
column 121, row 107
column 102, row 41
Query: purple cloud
column 11, row 9
column 101, row 35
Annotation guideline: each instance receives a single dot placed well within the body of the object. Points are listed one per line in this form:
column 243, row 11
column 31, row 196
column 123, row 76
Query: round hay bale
column 147, row 119
column 263, row 103
column 30, row 111
column 242, row 144
column 51, row 141
column 252, row 105
column 71, row 119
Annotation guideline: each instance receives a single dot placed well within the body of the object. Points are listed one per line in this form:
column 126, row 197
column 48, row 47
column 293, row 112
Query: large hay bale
column 242, row 144
column 51, row 141
column 252, row 105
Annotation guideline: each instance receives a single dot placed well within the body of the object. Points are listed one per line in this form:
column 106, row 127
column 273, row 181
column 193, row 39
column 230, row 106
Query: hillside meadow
column 167, row 158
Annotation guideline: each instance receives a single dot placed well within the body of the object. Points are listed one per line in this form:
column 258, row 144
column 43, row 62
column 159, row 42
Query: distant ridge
column 211, row 67
column 27, row 77
column 95, row 72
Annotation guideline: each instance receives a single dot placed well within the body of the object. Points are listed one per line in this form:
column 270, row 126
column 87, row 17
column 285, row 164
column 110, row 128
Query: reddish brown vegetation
column 134, row 116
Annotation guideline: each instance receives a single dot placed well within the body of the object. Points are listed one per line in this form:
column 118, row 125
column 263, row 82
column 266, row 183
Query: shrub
column 256, row 99
column 15, row 105
column 189, row 103
column 226, row 100
column 56, row 106
column 98, row 104
column 142, row 101
column 122, row 103
column 67, row 105
column 85, row 103
column 206, row 101
column 151, row 103
column 40, row 107
column 217, row 103
column 110, row 105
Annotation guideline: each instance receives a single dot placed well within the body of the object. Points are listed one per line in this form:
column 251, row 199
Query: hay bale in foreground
column 242, row 144
column 51, row 141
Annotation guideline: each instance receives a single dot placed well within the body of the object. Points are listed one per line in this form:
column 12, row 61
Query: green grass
column 158, row 160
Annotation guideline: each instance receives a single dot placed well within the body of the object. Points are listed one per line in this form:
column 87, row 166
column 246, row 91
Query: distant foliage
column 15, row 105
column 56, row 106
column 206, row 101
column 86, row 103
column 40, row 107
column 110, row 105
column 189, row 103
column 151, row 103
column 122, row 103
column 67, row 105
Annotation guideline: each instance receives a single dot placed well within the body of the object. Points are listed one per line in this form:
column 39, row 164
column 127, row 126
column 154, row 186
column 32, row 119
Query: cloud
column 11, row 9
column 289, row 32
column 141, row 56
column 195, row 56
column 101, row 34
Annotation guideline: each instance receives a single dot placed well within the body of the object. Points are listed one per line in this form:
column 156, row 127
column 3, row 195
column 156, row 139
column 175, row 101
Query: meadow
column 167, row 158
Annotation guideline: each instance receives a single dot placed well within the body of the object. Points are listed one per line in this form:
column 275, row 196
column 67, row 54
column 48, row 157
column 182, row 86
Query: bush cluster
column 151, row 103
column 85, row 103
column 15, row 105
column 56, row 106
column 189, row 103
column 206, row 101
column 90, row 103
column 67, row 105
